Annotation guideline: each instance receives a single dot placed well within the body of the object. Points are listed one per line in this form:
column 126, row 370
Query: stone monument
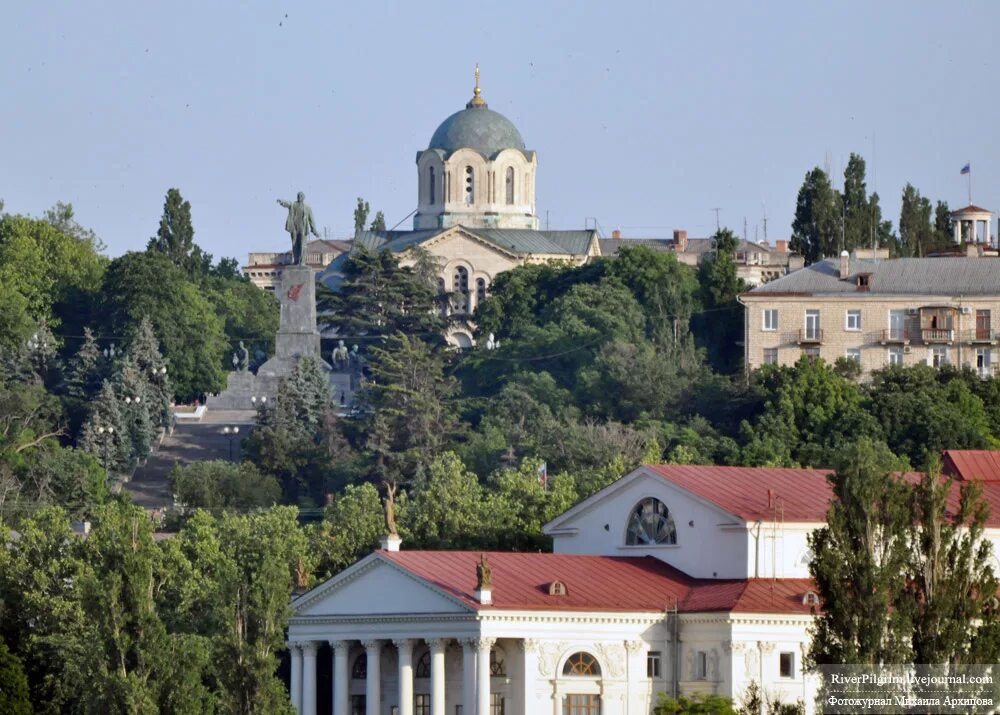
column 297, row 335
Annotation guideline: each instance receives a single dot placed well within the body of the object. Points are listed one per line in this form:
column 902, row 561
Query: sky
column 646, row 116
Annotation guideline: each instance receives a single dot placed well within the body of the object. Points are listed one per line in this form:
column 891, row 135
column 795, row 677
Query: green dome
column 479, row 128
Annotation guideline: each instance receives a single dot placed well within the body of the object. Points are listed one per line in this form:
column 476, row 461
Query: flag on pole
column 966, row 169
column 543, row 475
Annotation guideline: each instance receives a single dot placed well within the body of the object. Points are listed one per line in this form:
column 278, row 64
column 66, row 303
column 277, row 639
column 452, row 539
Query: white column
column 438, row 646
column 529, row 672
column 296, row 685
column 468, row 676
column 483, row 647
column 341, row 679
column 309, row 678
column 373, row 685
column 957, row 229
column 404, row 648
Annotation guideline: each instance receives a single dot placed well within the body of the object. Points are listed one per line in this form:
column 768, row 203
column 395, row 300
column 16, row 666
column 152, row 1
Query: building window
column 653, row 664
column 496, row 704
column 939, row 356
column 771, row 319
column 423, row 669
column 650, row 523
column 430, row 184
column 421, row 704
column 360, row 669
column 575, row 704
column 984, row 362
column 581, row 664
column 497, row 667
column 770, row 356
column 470, row 185
column 700, row 665
column 359, row 705
column 854, row 354
column 812, row 331
column 510, row 185
column 460, row 281
column 853, row 320
column 983, row 325
column 786, row 665
column 811, row 354
column 895, row 356
column 480, row 290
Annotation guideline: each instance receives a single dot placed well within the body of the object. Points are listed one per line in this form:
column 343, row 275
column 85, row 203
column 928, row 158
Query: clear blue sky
column 644, row 115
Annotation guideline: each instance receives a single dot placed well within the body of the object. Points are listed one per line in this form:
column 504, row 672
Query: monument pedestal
column 297, row 333
column 297, row 337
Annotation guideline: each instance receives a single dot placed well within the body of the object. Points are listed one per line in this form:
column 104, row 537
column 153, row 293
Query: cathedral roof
column 477, row 127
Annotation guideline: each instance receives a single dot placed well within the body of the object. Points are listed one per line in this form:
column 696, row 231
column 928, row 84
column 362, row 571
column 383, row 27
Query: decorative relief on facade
column 751, row 661
column 528, row 645
column 613, row 657
column 713, row 665
column 765, row 647
column 548, row 657
column 633, row 647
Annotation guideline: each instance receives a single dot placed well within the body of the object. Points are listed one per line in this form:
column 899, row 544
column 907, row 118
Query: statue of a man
column 298, row 224
column 243, row 358
column 390, row 508
column 340, row 357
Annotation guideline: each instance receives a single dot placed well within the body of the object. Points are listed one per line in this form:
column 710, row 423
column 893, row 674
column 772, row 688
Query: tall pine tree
column 816, row 230
column 175, row 236
column 144, row 350
column 104, row 432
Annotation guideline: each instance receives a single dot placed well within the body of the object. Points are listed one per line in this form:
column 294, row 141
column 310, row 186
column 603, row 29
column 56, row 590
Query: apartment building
column 880, row 311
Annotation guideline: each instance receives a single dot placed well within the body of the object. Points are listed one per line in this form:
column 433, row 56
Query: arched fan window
column 582, row 664
column 650, row 523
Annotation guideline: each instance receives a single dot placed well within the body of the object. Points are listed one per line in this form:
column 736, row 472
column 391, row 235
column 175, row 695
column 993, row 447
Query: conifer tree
column 144, row 350
column 84, row 378
column 104, row 434
column 175, row 237
column 135, row 403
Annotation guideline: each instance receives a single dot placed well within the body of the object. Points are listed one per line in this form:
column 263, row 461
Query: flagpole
column 970, row 183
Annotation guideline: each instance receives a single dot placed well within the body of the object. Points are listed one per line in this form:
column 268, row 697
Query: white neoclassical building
column 676, row 579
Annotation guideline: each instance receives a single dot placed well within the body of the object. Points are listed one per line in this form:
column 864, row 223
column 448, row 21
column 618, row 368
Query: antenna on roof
column 764, row 220
column 717, row 210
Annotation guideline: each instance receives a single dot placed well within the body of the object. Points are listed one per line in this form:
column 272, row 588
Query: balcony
column 937, row 335
column 895, row 336
column 810, row 336
column 980, row 336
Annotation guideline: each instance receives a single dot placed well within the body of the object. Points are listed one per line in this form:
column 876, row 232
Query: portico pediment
column 456, row 241
column 375, row 586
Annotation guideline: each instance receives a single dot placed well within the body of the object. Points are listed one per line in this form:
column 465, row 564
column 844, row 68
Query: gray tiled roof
column 695, row 246
column 896, row 276
column 516, row 240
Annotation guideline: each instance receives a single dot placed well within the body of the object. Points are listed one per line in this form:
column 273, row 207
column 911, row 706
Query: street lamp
column 231, row 433
column 110, row 431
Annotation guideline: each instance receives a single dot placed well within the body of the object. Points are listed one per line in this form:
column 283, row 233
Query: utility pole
column 764, row 220
column 744, row 229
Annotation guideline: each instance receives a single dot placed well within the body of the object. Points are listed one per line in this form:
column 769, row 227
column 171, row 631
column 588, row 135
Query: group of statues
column 343, row 360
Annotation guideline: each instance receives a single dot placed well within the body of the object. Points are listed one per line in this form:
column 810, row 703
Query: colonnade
column 475, row 675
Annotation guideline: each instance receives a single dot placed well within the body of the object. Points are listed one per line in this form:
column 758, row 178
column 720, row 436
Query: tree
column 248, row 313
column 720, row 286
column 175, row 237
column 858, row 563
column 916, row 233
column 378, row 224
column 361, row 215
column 148, row 285
column 85, row 373
column 922, row 412
column 447, row 509
column 144, row 351
column 816, row 230
column 105, row 434
column 352, row 524
column 219, row 485
column 14, row 698
column 63, row 218
column 378, row 297
column 697, row 704
column 413, row 397
column 809, row 415
column 942, row 226
column 136, row 404
column 951, row 583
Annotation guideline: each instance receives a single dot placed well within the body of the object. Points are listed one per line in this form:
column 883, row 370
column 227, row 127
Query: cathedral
column 475, row 213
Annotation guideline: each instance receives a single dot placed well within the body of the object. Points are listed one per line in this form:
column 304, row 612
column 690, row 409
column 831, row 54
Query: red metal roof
column 753, row 493
column 596, row 583
column 803, row 495
column 972, row 465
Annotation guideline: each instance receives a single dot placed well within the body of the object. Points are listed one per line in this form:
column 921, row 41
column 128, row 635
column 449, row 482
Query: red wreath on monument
column 294, row 291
